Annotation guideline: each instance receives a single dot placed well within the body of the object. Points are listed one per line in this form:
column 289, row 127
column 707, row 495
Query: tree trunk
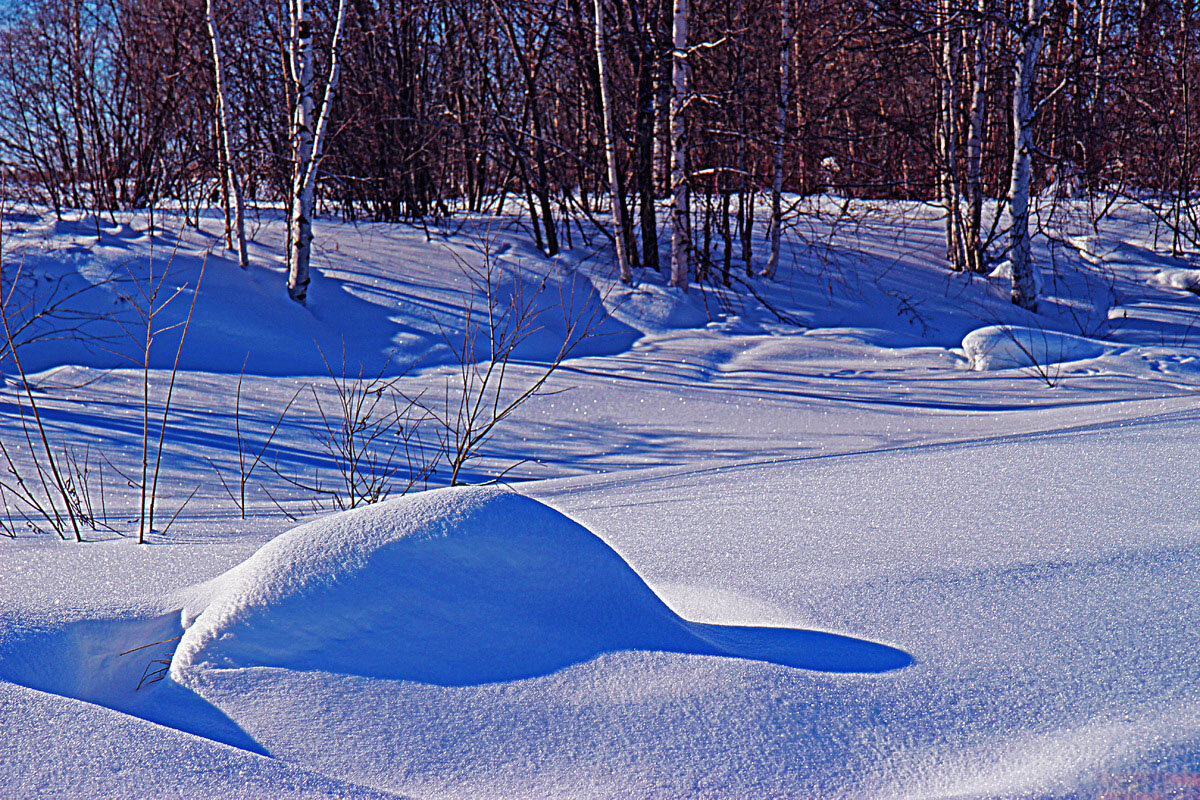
column 948, row 135
column 228, row 165
column 309, row 139
column 681, row 234
column 973, row 233
column 1029, row 43
column 785, row 85
column 726, row 237
column 646, row 68
column 610, row 152
column 745, row 207
column 1093, row 157
column 663, row 64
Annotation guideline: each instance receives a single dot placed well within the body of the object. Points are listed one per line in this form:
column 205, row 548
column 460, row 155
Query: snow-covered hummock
column 460, row 587
column 1009, row 346
column 1186, row 279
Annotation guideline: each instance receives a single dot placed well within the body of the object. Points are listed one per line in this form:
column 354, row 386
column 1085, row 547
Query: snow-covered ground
column 868, row 532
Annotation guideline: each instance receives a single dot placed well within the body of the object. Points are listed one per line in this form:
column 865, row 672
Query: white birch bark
column 974, row 154
column 784, row 100
column 309, row 139
column 1029, row 43
column 610, row 151
column 228, row 165
column 1092, row 158
column 662, row 129
column 948, row 135
column 681, row 231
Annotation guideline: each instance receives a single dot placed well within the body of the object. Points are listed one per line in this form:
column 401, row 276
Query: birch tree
column 308, row 139
column 227, row 165
column 781, row 107
column 610, row 150
column 644, row 21
column 947, row 134
column 663, row 65
column 746, row 192
column 973, row 222
column 1029, row 43
column 681, row 233
column 1092, row 159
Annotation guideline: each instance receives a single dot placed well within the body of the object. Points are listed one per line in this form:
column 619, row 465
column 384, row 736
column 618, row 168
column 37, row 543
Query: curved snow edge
column 998, row 347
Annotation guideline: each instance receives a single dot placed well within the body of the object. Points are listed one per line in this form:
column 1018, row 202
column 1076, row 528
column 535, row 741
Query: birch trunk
column 948, row 135
column 610, row 151
column 644, row 158
column 785, row 87
column 1029, row 43
column 309, row 139
column 227, row 166
column 681, row 233
column 662, row 103
column 973, row 238
column 745, row 210
column 1093, row 158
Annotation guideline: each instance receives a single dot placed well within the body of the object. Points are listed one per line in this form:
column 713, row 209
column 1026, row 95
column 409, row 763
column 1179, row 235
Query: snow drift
column 1185, row 279
column 1009, row 346
column 459, row 587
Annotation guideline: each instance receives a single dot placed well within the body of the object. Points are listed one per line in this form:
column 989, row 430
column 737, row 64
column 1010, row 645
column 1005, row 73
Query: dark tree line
column 450, row 105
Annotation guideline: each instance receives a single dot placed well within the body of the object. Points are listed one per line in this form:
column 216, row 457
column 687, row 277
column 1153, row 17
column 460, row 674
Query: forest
column 583, row 399
column 604, row 110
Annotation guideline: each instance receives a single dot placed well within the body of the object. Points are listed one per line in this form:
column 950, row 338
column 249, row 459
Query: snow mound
column 1003, row 272
column 1007, row 347
column 1186, row 279
column 460, row 587
column 651, row 308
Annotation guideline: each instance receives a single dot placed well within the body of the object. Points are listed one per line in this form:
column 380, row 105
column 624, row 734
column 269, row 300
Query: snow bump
column 1009, row 347
column 462, row 587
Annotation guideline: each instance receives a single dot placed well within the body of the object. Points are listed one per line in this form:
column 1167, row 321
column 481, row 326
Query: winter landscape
column 604, row 421
column 860, row 553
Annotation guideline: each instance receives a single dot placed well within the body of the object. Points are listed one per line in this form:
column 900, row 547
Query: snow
column 1007, row 347
column 842, row 540
column 1186, row 279
column 95, row 752
column 460, row 587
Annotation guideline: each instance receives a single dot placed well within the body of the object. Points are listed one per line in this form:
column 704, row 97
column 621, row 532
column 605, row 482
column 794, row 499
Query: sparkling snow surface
column 744, row 559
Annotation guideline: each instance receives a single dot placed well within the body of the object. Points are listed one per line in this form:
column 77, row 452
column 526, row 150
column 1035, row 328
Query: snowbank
column 1007, row 347
column 460, row 587
column 1003, row 272
column 1186, row 279
column 651, row 308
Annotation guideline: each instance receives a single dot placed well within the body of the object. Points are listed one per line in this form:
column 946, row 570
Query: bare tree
column 1029, row 43
column 781, row 109
column 610, row 151
column 309, row 138
column 681, row 234
column 973, row 243
column 947, row 132
column 227, row 163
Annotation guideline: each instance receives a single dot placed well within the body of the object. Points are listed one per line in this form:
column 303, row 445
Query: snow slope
column 790, row 545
